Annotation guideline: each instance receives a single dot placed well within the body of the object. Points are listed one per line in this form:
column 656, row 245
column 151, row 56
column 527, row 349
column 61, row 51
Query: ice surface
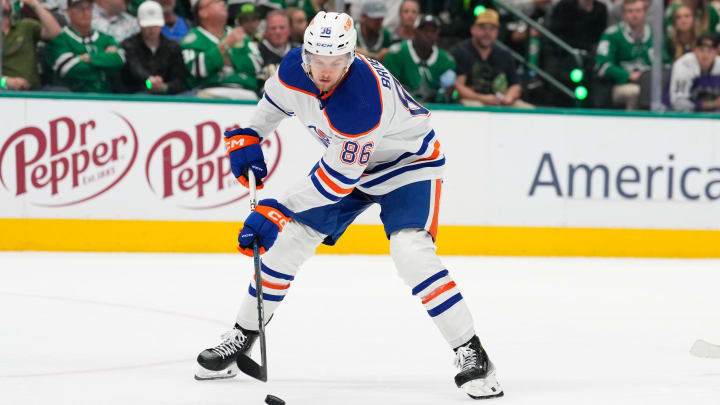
column 80, row 328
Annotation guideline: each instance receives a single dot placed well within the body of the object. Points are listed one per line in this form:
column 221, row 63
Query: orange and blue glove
column 243, row 147
column 263, row 225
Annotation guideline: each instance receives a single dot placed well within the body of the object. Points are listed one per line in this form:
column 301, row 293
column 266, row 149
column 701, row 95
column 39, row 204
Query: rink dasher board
column 516, row 183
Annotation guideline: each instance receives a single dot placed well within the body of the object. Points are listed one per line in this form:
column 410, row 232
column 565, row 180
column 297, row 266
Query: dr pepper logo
column 68, row 160
column 191, row 169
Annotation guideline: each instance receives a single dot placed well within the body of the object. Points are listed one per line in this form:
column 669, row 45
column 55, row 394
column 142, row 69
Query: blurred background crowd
column 514, row 53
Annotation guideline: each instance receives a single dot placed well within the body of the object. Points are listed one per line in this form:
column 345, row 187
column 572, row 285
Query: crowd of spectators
column 442, row 51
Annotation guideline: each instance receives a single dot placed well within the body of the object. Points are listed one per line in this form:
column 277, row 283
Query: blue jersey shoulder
column 292, row 75
column 355, row 107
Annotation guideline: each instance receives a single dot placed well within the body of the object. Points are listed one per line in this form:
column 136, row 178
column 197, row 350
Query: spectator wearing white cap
column 110, row 17
column 372, row 39
column 154, row 63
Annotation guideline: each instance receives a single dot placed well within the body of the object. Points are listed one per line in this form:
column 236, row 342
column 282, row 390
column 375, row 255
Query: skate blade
column 702, row 348
column 204, row 374
column 483, row 388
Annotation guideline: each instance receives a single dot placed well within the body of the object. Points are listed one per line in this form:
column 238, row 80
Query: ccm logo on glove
column 243, row 147
column 263, row 225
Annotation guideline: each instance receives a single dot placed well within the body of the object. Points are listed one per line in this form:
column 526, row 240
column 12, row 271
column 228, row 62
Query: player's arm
column 274, row 106
column 243, row 144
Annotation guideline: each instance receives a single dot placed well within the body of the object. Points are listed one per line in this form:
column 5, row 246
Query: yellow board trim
column 217, row 237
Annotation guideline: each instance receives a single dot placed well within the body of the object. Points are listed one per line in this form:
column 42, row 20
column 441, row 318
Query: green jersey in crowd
column 618, row 53
column 420, row 77
column 383, row 41
column 206, row 65
column 64, row 57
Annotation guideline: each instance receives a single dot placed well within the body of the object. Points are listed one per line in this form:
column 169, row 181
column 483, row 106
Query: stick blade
column 251, row 368
column 705, row 349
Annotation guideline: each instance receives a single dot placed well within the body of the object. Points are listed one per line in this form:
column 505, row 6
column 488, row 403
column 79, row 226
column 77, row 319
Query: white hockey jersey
column 377, row 137
column 689, row 87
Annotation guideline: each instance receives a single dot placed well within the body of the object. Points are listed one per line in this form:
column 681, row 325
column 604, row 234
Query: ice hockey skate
column 219, row 362
column 477, row 373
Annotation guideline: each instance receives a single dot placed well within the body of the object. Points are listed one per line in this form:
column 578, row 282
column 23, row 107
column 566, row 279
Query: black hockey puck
column 273, row 400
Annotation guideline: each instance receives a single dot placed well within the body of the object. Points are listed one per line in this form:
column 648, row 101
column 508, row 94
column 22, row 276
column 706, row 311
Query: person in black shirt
column 580, row 23
column 486, row 75
column 153, row 62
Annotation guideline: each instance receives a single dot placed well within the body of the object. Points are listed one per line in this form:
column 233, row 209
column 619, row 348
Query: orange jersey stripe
column 436, row 152
column 295, row 88
column 434, row 225
column 274, row 286
column 324, row 177
column 437, row 292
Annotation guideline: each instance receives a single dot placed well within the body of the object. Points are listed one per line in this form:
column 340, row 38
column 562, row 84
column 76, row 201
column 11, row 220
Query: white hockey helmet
column 330, row 34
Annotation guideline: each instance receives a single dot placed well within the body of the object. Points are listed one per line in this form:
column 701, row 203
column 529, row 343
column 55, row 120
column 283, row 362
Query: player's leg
column 409, row 215
column 294, row 245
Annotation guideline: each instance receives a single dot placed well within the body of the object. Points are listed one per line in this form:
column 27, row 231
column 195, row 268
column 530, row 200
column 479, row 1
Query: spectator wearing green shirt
column 219, row 60
column 623, row 54
column 424, row 70
column 81, row 58
column 372, row 39
column 19, row 51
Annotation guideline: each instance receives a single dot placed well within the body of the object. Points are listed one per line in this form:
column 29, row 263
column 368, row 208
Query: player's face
column 327, row 70
column 6, row 9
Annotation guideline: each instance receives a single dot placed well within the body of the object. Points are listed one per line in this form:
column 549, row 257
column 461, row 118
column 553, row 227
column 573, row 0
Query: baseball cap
column 427, row 19
column 150, row 14
column 489, row 16
column 708, row 37
column 374, row 9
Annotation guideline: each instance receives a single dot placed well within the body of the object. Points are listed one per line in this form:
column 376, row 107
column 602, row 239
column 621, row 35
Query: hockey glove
column 243, row 147
column 263, row 225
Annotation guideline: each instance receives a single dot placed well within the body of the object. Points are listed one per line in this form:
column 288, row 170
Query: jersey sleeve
column 681, row 81
column 64, row 62
column 606, row 59
column 273, row 107
column 200, row 62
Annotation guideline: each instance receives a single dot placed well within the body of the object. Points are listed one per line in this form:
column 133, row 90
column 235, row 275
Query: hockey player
column 379, row 149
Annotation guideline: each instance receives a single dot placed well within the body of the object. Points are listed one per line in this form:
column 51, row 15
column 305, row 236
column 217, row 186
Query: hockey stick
column 244, row 362
column 702, row 348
